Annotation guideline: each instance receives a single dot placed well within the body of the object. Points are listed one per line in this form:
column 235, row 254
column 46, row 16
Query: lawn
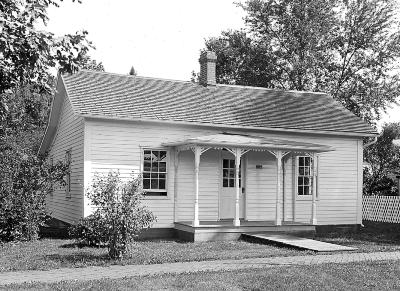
column 353, row 276
column 49, row 254
column 373, row 237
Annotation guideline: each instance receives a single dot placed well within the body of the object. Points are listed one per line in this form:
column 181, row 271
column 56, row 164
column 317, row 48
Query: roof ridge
column 134, row 77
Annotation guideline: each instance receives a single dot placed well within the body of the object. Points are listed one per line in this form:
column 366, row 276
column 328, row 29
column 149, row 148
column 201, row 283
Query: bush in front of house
column 119, row 214
column 25, row 180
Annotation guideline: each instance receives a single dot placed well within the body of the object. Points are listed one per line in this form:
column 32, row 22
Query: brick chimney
column 207, row 68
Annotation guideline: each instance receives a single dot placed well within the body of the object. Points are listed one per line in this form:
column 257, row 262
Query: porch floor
column 243, row 223
column 225, row 230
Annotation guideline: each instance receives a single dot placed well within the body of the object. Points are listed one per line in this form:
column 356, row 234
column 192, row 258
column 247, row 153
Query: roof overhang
column 228, row 140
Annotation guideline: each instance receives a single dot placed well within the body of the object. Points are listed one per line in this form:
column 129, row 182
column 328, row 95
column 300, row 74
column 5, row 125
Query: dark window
column 304, row 176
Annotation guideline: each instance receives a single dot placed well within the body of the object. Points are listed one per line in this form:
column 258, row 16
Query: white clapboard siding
column 381, row 208
column 118, row 144
column 69, row 136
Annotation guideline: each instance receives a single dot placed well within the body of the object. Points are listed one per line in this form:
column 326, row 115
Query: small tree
column 119, row 209
column 132, row 71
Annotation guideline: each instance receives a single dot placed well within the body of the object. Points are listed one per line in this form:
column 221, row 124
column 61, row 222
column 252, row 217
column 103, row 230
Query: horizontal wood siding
column 117, row 145
column 69, row 136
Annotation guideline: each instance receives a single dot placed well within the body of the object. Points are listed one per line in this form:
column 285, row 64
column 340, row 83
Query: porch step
column 298, row 242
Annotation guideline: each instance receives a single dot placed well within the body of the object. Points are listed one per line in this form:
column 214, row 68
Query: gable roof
column 100, row 94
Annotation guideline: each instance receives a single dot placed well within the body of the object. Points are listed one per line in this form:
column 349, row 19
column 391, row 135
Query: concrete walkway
column 116, row 272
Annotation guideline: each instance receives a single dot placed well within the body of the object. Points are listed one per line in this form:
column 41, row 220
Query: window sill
column 305, row 198
column 156, row 197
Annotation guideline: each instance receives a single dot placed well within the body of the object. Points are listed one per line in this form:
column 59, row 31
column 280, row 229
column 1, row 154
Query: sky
column 159, row 38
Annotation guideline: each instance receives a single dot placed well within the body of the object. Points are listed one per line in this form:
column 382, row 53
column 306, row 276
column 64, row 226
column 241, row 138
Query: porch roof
column 226, row 140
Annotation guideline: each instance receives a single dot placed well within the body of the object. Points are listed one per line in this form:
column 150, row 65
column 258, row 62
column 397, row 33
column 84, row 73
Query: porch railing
column 381, row 208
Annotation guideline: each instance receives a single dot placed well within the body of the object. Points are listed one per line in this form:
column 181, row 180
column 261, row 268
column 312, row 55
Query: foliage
column 89, row 231
column 132, row 71
column 119, row 210
column 25, row 181
column 383, row 158
column 349, row 49
column 27, row 53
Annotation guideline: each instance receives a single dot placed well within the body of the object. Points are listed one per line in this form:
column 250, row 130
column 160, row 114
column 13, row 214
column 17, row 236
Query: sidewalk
column 116, row 271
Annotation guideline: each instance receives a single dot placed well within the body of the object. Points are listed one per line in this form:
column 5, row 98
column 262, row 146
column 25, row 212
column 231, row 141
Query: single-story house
column 217, row 160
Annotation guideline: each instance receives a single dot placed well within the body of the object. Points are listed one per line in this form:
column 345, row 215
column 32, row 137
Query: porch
column 240, row 160
column 225, row 230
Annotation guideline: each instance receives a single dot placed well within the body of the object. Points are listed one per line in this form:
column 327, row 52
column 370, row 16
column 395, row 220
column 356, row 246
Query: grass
column 352, row 276
column 373, row 237
column 49, row 254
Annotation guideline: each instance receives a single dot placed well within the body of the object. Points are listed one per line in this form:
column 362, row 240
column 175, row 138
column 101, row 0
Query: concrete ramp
column 298, row 242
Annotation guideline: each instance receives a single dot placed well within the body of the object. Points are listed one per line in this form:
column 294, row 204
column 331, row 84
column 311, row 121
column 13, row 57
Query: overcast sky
column 159, row 38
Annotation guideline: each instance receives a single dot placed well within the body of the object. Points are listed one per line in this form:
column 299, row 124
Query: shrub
column 119, row 215
column 25, row 180
column 89, row 231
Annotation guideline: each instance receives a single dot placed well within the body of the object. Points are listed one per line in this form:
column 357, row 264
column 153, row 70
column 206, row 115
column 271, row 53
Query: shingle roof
column 124, row 96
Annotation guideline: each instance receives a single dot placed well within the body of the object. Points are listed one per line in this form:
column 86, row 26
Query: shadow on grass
column 372, row 232
column 81, row 258
column 80, row 246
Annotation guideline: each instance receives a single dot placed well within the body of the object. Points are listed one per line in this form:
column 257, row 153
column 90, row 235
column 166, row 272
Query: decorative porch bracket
column 279, row 155
column 198, row 151
column 238, row 153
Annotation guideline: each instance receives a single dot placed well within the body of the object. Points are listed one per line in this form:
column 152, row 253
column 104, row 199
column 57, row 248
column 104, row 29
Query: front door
column 228, row 189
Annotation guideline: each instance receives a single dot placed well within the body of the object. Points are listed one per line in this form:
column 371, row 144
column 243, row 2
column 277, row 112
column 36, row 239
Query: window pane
column 225, row 173
column 300, row 181
column 163, row 156
column 225, row 182
column 146, row 175
column 146, row 166
column 154, row 175
column 162, row 167
column 307, row 190
column 306, row 181
column 301, row 161
column 154, row 167
column 146, row 184
column 154, row 184
column 307, row 161
column 300, row 190
column 225, row 163
column 301, row 171
column 231, row 183
column 162, row 184
column 161, row 176
column 232, row 164
column 232, row 173
column 307, row 171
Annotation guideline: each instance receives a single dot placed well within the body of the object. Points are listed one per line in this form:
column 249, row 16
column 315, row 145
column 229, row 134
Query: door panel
column 228, row 189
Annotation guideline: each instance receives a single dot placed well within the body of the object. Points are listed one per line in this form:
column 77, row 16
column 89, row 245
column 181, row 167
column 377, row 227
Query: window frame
column 155, row 193
column 230, row 169
column 296, row 176
column 68, row 160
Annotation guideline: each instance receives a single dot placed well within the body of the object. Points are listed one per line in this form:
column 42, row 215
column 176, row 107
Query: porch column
column 278, row 216
column 197, row 154
column 176, row 161
column 238, row 154
column 314, row 191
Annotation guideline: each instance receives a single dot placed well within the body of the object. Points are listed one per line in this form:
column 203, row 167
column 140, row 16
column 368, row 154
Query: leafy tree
column 383, row 158
column 347, row 48
column 132, row 71
column 119, row 215
column 27, row 53
column 26, row 180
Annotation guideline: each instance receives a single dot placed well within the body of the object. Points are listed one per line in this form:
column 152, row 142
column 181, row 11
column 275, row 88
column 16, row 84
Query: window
column 304, row 175
column 155, row 172
column 68, row 175
column 228, row 173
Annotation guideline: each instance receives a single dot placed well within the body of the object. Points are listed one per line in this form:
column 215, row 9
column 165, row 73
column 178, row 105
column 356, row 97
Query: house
column 217, row 160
